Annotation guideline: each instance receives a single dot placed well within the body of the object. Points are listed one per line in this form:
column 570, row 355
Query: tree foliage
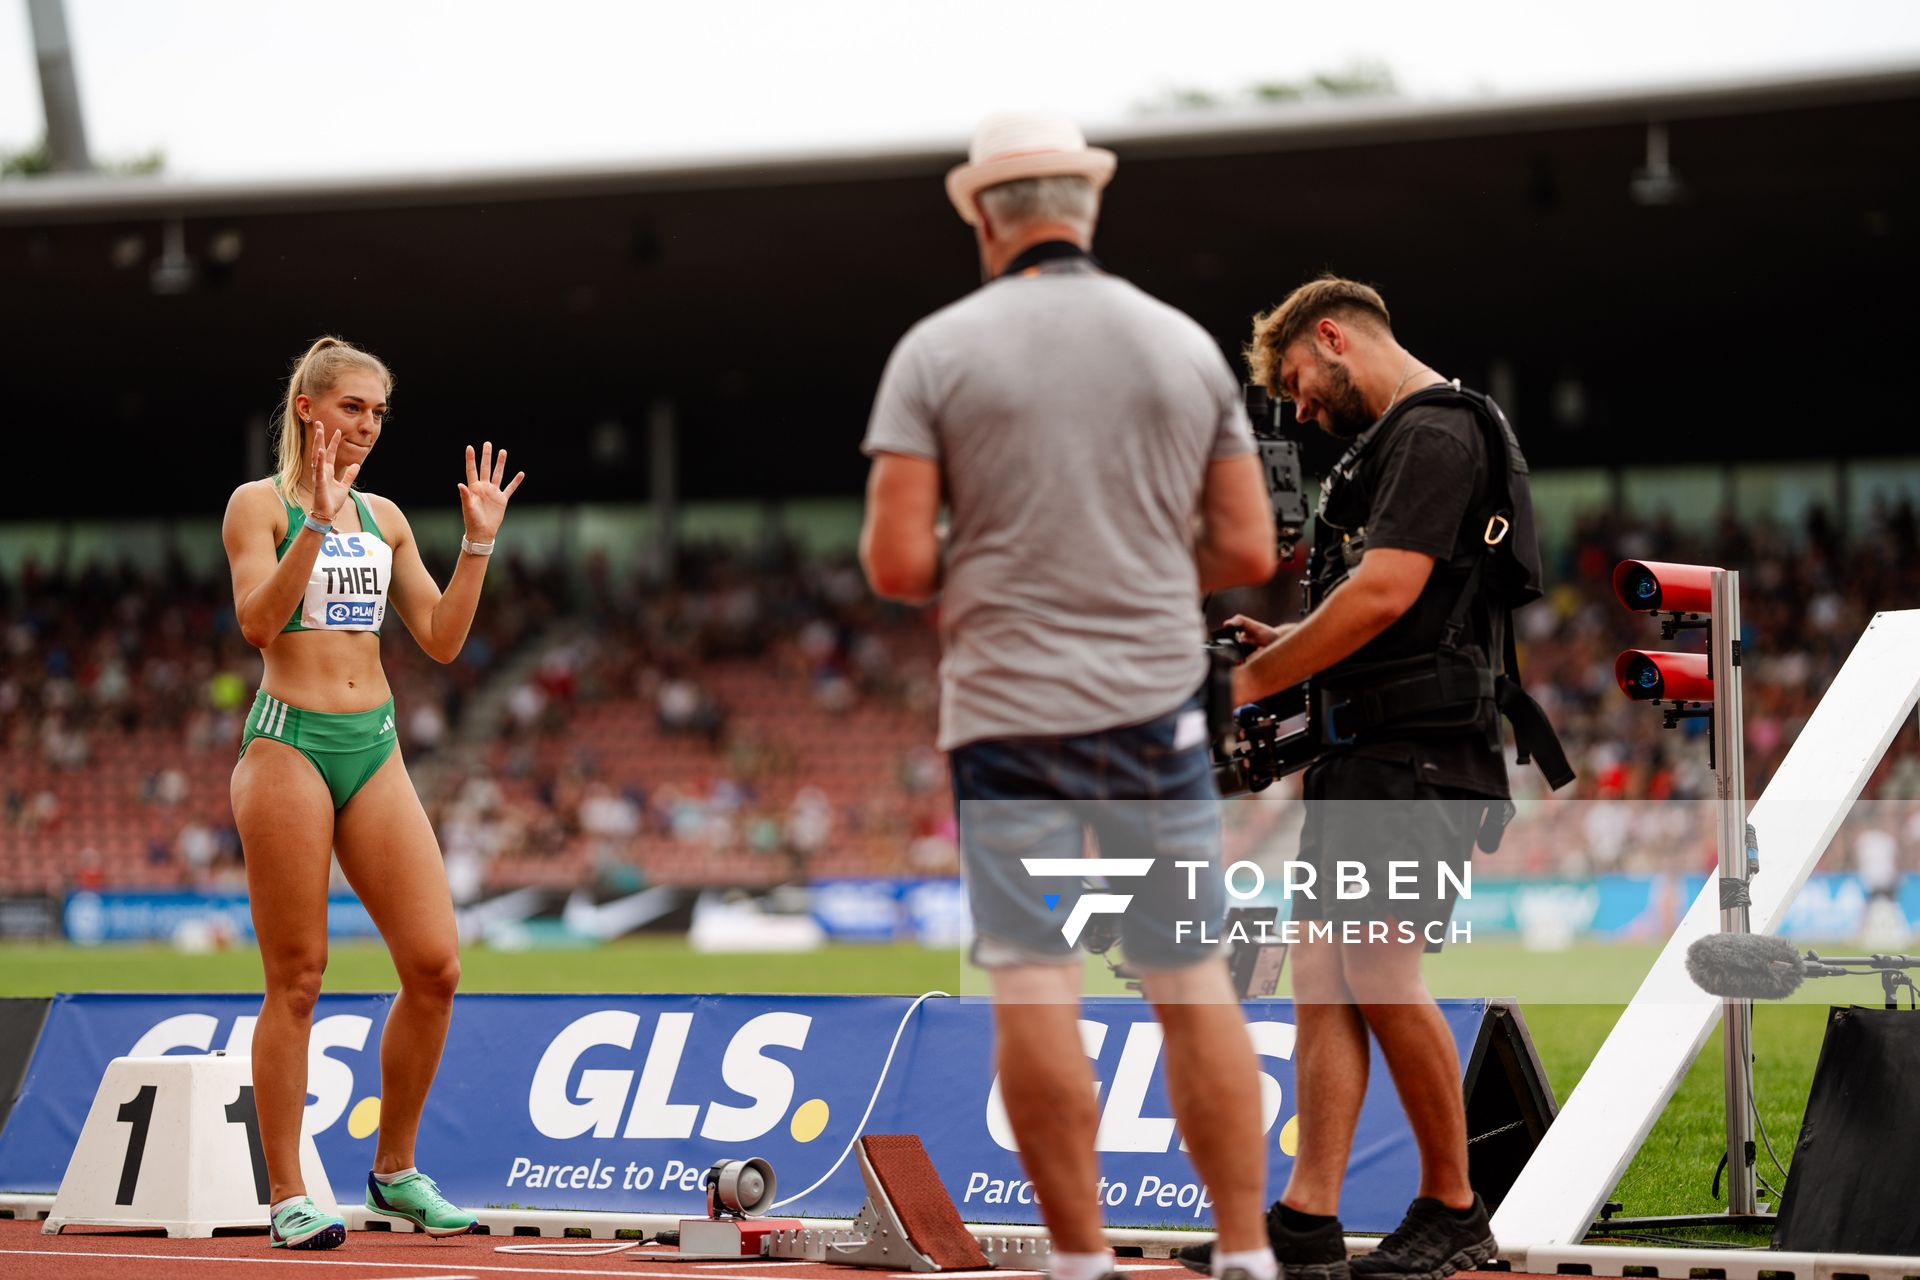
column 36, row 160
column 1366, row 78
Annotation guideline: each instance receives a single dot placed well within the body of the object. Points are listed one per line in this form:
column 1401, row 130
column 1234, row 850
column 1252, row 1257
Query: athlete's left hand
column 483, row 502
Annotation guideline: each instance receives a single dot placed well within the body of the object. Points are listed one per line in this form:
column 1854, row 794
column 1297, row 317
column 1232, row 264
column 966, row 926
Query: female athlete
column 315, row 562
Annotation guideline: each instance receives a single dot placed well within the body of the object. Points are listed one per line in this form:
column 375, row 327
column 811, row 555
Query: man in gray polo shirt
column 1089, row 446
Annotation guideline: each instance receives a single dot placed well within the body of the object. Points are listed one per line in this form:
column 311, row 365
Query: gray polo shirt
column 1073, row 418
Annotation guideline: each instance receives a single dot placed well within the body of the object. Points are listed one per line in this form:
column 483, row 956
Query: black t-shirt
column 1421, row 487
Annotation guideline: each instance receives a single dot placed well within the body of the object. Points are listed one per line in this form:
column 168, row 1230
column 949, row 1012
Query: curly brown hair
column 1329, row 295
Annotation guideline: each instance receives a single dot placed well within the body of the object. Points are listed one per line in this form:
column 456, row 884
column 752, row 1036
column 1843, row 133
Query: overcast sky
column 243, row 88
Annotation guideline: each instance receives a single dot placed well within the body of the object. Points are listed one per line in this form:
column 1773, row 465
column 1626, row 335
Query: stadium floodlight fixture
column 1655, row 183
column 173, row 272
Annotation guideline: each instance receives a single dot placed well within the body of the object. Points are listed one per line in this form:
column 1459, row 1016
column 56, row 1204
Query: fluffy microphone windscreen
column 1745, row 966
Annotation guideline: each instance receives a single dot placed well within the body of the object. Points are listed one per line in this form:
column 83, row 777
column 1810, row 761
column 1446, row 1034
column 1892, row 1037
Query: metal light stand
column 1739, row 861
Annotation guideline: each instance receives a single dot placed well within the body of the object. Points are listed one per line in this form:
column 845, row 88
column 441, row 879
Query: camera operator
column 1090, row 446
column 1399, row 647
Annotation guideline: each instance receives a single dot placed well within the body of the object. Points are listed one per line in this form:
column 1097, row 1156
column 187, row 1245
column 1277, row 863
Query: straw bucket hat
column 1024, row 144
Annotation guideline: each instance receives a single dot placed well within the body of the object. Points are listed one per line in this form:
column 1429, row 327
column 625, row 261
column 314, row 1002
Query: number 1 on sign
column 241, row 1111
column 138, row 1113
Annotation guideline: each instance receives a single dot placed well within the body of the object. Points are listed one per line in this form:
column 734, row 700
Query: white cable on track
column 879, row 1084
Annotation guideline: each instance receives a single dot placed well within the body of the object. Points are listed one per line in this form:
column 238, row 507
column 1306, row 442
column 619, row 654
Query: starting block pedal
column 909, row 1222
column 173, row 1143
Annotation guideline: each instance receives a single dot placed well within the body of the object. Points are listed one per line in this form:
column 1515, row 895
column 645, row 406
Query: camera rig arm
column 1280, row 463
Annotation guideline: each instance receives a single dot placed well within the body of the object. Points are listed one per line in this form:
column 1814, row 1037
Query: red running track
column 87, row 1253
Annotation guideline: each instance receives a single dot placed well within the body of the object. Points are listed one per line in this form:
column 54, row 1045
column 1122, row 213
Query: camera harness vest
column 1453, row 689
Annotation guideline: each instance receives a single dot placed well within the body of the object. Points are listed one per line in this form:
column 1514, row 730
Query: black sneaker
column 1319, row 1254
column 1196, row 1257
column 1431, row 1243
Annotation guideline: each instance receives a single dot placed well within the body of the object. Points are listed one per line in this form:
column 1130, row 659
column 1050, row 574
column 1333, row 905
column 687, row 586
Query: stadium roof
column 1283, row 127
column 1751, row 302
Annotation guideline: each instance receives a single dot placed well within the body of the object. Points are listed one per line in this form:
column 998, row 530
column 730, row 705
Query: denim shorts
column 1145, row 795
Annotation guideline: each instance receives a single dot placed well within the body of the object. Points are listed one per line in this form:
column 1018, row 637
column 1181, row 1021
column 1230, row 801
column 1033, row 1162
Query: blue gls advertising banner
column 82, row 1034
column 620, row 1103
column 114, row 916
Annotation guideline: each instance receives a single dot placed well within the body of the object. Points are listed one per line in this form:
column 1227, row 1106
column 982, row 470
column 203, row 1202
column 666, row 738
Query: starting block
column 173, row 1142
column 909, row 1222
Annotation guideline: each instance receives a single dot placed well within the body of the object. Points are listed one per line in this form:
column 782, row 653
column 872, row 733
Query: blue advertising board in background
column 620, row 1103
column 931, row 911
column 1614, row 908
column 1833, row 907
column 112, row 915
column 1830, row 907
column 1611, row 908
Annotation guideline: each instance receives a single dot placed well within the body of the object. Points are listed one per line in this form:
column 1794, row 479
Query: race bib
column 348, row 589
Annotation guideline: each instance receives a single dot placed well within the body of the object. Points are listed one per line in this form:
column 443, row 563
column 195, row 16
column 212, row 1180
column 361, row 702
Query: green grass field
column 1570, row 1000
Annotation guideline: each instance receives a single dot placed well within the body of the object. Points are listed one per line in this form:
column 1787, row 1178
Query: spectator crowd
column 755, row 715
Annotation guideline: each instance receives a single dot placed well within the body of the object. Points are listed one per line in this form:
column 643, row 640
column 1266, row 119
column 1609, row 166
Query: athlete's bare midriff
column 326, row 671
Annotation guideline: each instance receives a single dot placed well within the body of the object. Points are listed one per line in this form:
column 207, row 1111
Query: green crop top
column 348, row 588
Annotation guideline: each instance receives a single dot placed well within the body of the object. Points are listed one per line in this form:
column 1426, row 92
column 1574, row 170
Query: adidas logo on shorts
column 386, row 726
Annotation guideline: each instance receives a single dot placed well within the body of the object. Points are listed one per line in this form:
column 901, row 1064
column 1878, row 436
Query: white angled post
column 1603, row 1122
column 1730, row 833
column 174, row 1142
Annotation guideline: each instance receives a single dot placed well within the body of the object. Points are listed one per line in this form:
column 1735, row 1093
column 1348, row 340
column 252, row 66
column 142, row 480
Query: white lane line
column 458, row 1277
column 681, row 1274
column 764, row 1262
column 572, row 1248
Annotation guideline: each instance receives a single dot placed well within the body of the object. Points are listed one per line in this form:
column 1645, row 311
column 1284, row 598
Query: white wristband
column 475, row 548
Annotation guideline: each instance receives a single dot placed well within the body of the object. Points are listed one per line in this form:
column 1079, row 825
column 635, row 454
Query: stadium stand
column 755, row 717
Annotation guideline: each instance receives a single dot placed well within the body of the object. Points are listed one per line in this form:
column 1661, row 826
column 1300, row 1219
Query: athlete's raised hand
column 328, row 491
column 483, row 502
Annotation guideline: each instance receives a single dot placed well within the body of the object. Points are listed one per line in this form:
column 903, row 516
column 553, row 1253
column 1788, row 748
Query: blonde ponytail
column 314, row 374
